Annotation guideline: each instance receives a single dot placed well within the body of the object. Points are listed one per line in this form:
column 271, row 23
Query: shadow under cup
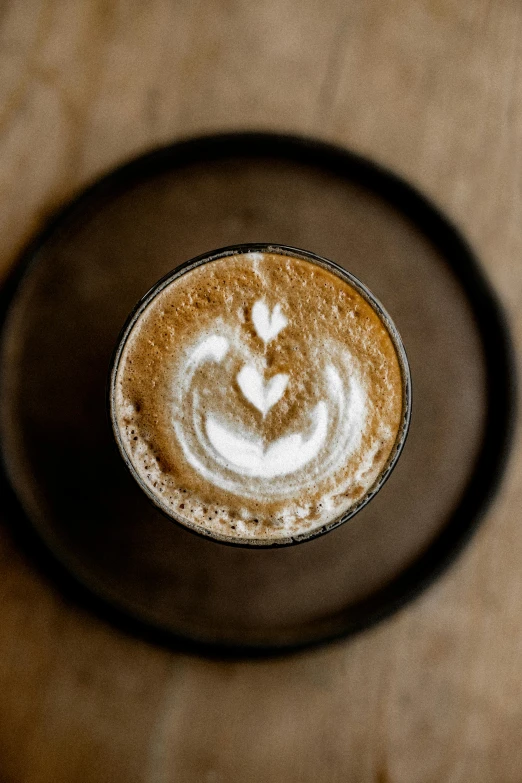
column 62, row 317
column 384, row 318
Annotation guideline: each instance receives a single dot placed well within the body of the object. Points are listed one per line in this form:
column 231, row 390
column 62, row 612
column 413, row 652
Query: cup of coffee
column 260, row 395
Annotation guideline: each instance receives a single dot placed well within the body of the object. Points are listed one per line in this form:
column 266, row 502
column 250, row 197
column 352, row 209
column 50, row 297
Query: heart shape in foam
column 268, row 325
column 262, row 395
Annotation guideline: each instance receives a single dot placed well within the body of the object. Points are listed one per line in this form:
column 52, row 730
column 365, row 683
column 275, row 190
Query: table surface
column 431, row 88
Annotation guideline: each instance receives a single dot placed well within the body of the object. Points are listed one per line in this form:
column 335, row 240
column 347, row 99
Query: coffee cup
column 260, row 395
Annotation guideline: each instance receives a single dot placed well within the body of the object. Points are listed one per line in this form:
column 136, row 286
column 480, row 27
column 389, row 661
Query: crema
column 258, row 396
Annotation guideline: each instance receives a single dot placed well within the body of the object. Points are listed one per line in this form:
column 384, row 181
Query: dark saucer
column 62, row 313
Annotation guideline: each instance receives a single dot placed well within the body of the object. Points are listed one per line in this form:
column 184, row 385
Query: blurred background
column 431, row 89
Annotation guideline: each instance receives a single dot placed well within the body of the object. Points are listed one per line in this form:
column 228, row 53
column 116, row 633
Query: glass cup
column 207, row 258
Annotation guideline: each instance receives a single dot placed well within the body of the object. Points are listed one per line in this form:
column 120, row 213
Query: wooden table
column 431, row 88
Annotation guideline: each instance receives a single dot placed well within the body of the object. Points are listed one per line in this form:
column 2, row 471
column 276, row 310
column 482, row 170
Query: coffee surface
column 258, row 396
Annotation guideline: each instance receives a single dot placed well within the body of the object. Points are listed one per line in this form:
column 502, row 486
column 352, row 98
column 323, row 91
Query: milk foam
column 237, row 459
column 293, row 444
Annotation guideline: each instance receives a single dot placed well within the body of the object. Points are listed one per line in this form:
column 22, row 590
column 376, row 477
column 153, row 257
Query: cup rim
column 370, row 298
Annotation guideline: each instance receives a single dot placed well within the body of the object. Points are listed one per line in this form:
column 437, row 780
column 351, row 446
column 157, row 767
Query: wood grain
column 432, row 88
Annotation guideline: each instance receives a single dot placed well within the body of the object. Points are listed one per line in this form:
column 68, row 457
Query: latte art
column 258, row 396
column 229, row 457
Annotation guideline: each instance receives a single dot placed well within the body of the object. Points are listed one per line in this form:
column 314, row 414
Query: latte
column 259, row 396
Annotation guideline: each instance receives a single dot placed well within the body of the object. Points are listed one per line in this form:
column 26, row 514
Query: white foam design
column 286, row 455
column 236, row 457
column 268, row 325
column 213, row 347
column 262, row 395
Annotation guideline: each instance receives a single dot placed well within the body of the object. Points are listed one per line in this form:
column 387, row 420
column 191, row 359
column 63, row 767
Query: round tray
column 68, row 491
